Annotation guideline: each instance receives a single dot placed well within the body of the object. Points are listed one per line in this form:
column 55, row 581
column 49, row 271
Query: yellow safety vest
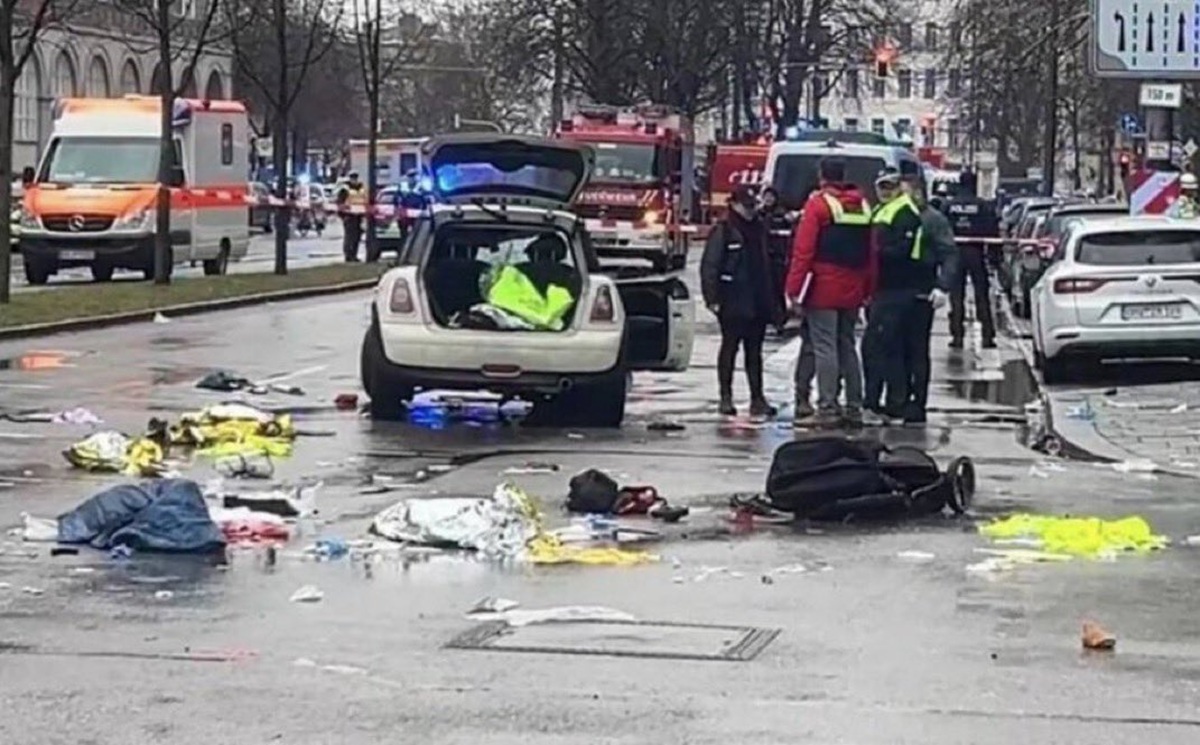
column 887, row 213
column 356, row 196
column 515, row 293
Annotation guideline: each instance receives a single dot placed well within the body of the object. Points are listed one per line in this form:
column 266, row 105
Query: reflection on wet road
column 156, row 648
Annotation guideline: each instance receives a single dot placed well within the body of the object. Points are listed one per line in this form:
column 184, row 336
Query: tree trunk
column 558, row 75
column 373, row 94
column 7, row 83
column 164, row 256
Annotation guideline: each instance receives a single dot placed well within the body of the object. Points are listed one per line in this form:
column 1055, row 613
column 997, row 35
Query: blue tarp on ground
column 167, row 515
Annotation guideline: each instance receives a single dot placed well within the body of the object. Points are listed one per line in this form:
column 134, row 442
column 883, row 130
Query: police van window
column 408, row 162
column 796, row 176
column 226, row 144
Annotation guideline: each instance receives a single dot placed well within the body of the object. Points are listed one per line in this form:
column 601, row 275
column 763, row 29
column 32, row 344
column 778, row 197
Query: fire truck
column 642, row 195
column 729, row 165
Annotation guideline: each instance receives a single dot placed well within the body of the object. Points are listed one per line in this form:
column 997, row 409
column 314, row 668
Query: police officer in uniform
column 353, row 195
column 972, row 217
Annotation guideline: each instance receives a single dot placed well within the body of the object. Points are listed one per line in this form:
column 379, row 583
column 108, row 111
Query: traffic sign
column 1161, row 95
column 1158, row 150
column 1129, row 124
column 1190, row 147
column 1132, row 39
column 1152, row 192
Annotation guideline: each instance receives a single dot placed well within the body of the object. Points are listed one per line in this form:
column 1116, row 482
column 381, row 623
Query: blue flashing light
column 405, row 188
column 303, row 178
column 426, row 184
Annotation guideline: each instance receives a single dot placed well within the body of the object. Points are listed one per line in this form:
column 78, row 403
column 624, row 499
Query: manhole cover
column 652, row 639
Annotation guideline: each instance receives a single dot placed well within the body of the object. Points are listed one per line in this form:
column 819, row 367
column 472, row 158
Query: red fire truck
column 640, row 199
column 729, row 165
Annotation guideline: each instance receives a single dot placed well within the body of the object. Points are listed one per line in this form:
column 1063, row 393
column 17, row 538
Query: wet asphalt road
column 873, row 649
column 307, row 251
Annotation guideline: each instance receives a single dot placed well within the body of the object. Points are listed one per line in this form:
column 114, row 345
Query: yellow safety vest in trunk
column 513, row 292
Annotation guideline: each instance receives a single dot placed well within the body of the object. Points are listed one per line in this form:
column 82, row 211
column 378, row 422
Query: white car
column 504, row 201
column 1123, row 288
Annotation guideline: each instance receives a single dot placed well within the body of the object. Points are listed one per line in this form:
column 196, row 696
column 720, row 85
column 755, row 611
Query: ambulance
column 92, row 202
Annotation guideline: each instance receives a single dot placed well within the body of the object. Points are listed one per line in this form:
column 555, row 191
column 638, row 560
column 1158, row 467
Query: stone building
column 94, row 57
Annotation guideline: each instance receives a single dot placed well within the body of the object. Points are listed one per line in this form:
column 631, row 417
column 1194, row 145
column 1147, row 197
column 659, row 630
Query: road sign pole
column 1160, row 129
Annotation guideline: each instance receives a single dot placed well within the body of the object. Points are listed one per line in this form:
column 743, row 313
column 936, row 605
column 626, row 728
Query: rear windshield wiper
column 500, row 214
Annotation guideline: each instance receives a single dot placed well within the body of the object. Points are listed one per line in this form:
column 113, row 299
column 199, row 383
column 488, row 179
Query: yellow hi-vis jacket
column 513, row 292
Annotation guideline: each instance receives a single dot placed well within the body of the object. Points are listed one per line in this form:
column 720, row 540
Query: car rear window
column 1140, row 247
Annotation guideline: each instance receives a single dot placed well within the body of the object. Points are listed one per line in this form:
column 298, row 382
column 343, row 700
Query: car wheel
column 661, row 263
column 36, row 272
column 388, row 395
column 218, row 266
column 1054, row 371
column 600, row 404
column 102, row 272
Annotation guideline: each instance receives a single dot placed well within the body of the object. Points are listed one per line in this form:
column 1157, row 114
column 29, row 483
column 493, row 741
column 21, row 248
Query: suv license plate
column 1172, row 311
column 77, row 255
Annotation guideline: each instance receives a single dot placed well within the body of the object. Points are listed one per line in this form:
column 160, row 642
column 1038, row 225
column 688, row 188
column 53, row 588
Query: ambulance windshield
column 625, row 163
column 101, row 160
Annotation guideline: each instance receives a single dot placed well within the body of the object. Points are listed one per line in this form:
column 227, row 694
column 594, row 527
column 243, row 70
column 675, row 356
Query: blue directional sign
column 1139, row 38
column 1129, row 124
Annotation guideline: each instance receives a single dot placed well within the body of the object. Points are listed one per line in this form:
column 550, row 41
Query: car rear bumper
column 539, row 356
column 1141, row 341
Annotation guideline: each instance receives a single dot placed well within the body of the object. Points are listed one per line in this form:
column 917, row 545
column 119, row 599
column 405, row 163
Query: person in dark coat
column 779, row 243
column 739, row 287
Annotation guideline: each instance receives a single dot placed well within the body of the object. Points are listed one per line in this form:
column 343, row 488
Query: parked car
column 1021, row 228
column 261, row 215
column 1033, row 260
column 503, row 207
column 1125, row 288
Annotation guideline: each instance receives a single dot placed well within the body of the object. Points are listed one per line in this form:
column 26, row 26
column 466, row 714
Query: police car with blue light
column 792, row 165
column 497, row 288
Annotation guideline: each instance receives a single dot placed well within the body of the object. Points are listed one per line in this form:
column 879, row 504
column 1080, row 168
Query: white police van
column 792, row 165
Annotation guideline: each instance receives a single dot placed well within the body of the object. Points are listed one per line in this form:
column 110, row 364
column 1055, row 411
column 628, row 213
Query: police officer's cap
column 888, row 177
column 353, row 174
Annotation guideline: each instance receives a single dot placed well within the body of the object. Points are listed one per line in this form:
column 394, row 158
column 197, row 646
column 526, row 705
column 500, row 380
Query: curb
column 187, row 309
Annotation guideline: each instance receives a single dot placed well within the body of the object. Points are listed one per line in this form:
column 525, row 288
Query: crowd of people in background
column 889, row 259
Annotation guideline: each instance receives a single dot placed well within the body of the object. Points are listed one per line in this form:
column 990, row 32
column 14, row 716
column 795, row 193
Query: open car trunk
column 467, row 258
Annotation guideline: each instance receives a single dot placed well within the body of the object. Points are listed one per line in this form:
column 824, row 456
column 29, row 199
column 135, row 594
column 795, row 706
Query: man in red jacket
column 828, row 281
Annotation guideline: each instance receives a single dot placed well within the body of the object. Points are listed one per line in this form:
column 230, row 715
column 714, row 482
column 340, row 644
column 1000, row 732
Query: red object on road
column 346, row 401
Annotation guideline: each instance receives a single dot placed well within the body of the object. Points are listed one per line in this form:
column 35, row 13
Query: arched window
column 66, row 83
column 98, row 82
column 26, row 109
column 131, row 79
column 215, row 89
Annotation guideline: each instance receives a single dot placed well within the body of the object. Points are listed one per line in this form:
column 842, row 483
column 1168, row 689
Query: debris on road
column 77, row 415
column 593, row 492
column 1181, row 408
column 1097, row 637
column 35, row 591
column 164, row 595
column 280, row 502
column 330, row 548
column 506, row 525
column 168, row 515
column 160, row 318
column 565, row 614
column 1087, row 537
column 64, row 551
column 660, row 425
column 531, row 467
column 113, row 452
column 917, row 556
column 1192, row 541
column 346, row 402
column 227, row 382
column 246, row 467
column 242, row 525
column 1136, row 465
column 233, row 429
column 493, row 605
column 1082, row 413
column 308, row 594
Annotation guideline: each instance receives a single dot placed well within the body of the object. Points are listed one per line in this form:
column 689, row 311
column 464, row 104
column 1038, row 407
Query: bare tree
column 386, row 42
column 275, row 45
column 22, row 24
column 177, row 30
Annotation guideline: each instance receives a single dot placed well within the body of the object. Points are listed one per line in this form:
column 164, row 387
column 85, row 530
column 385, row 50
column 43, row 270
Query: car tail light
column 401, row 300
column 1077, row 285
column 603, row 310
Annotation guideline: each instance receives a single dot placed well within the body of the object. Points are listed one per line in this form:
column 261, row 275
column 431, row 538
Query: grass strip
column 109, row 298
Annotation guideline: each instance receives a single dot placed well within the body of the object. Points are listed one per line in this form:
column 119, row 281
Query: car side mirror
column 175, row 177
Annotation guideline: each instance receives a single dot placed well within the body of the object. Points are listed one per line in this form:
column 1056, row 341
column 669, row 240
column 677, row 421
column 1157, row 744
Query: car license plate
column 1162, row 312
column 77, row 255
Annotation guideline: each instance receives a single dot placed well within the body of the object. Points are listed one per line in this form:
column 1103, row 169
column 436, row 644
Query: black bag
column 592, row 492
column 833, row 478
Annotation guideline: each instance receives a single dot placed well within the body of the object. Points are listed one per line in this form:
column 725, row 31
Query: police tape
column 377, row 210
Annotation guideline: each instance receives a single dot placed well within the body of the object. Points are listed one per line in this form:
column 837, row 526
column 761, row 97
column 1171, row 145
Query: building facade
column 90, row 59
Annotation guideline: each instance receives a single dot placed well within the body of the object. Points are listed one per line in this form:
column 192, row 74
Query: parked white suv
column 1123, row 288
column 504, row 201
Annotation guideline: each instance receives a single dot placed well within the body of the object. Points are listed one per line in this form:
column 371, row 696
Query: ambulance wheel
column 102, row 272
column 218, row 266
column 36, row 272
